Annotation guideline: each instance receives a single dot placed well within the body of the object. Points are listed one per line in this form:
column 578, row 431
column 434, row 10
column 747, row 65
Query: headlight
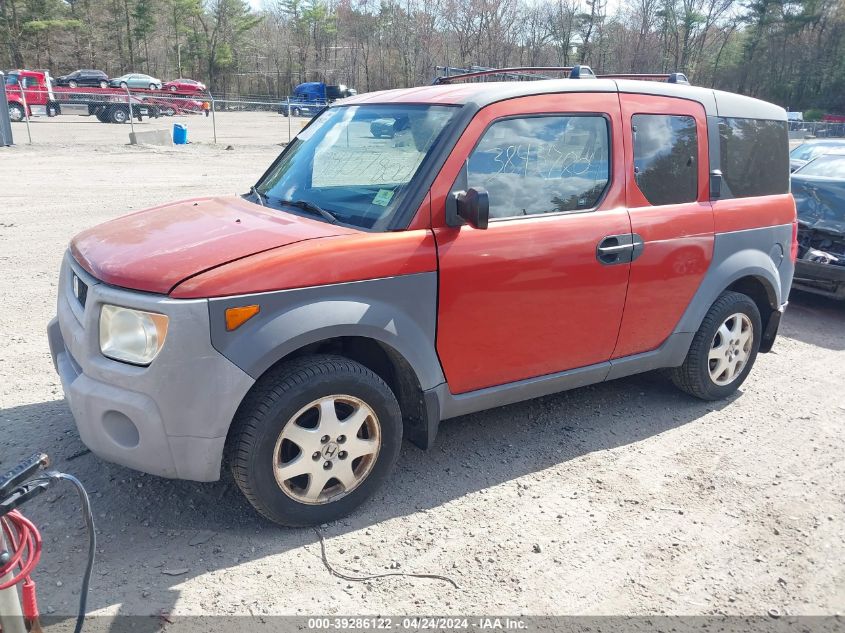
column 131, row 336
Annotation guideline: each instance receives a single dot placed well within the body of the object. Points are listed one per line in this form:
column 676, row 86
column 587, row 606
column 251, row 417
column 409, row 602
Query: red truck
column 34, row 90
column 503, row 241
column 29, row 89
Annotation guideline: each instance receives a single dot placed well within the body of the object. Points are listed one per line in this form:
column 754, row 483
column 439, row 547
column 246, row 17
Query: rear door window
column 666, row 157
column 542, row 164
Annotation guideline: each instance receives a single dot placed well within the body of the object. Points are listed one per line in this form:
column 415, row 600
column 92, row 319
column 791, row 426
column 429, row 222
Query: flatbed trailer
column 32, row 92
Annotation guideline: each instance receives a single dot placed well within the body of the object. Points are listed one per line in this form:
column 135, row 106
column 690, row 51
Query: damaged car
column 819, row 191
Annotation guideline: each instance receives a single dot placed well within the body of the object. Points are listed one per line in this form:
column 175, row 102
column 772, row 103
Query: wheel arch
column 742, row 265
column 420, row 414
column 387, row 325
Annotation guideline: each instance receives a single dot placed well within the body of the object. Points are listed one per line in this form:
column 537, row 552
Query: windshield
column 356, row 162
column 809, row 151
column 830, row 166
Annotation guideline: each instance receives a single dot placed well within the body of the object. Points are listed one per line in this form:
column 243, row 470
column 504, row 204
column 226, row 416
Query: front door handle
column 619, row 249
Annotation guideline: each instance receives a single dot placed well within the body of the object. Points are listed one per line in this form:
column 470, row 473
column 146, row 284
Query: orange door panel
column 677, row 238
column 527, row 296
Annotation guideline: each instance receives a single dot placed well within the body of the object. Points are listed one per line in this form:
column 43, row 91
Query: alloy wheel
column 730, row 349
column 327, row 449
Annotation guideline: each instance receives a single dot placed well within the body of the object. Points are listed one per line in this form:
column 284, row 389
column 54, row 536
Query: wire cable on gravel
column 343, row 576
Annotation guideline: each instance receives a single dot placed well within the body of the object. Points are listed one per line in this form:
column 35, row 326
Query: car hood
column 820, row 203
column 156, row 249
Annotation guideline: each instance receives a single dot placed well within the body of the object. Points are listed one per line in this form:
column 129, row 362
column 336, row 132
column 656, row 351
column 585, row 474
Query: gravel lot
column 622, row 498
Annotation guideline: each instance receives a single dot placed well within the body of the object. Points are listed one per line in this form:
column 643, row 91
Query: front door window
column 542, row 164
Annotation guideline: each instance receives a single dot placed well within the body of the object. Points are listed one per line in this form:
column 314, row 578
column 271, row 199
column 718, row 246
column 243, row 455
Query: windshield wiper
column 312, row 208
column 254, row 191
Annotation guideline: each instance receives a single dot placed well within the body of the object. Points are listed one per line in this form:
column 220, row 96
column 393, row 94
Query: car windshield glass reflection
column 356, row 162
column 825, row 166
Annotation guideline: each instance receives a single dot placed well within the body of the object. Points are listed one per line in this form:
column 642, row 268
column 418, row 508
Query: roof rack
column 672, row 78
column 533, row 72
column 518, row 72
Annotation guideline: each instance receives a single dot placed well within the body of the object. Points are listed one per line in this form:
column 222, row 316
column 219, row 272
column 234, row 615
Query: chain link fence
column 106, row 117
column 817, row 129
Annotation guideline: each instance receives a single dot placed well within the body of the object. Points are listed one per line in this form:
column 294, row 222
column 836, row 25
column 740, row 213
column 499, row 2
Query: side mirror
column 473, row 205
column 715, row 184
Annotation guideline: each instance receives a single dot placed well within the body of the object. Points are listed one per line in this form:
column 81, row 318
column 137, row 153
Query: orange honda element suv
column 416, row 255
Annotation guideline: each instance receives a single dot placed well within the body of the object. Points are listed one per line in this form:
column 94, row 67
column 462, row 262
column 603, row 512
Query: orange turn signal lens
column 236, row 317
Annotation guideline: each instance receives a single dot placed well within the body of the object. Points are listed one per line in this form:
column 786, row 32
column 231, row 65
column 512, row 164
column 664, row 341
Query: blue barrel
column 180, row 134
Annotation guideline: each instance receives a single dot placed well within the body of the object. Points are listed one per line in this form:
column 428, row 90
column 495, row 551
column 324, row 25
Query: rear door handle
column 619, row 249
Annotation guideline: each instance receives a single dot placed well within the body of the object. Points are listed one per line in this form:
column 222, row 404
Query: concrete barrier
column 150, row 137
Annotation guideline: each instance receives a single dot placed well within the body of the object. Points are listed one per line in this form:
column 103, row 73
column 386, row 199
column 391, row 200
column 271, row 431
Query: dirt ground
column 623, row 498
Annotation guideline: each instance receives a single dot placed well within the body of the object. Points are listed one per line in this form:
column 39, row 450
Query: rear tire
column 118, row 115
column 723, row 350
column 283, row 420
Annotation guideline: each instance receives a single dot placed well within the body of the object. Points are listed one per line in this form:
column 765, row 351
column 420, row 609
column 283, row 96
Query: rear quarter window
column 754, row 156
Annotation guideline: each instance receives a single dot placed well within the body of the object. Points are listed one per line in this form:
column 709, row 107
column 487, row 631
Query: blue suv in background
column 311, row 97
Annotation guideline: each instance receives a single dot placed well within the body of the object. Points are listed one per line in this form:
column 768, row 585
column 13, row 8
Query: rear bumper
column 168, row 419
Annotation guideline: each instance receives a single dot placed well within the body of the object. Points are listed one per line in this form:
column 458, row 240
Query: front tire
column 723, row 350
column 16, row 112
column 314, row 439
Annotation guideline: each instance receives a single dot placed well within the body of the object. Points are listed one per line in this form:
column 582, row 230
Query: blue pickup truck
column 311, row 97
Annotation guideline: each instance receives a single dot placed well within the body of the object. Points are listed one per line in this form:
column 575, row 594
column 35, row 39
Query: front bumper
column 825, row 279
column 168, row 419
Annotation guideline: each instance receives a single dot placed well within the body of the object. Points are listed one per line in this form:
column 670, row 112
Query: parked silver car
column 136, row 80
